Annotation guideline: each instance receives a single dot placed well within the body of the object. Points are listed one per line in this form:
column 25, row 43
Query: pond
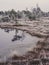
column 13, row 41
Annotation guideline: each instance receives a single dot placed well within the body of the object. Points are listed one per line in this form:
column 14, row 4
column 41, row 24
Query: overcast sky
column 23, row 4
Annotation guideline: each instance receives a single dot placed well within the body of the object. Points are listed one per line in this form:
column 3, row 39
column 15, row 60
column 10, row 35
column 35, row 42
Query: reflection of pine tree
column 16, row 31
column 16, row 36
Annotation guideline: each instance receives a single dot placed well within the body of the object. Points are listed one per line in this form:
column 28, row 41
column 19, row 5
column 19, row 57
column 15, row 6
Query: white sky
column 22, row 4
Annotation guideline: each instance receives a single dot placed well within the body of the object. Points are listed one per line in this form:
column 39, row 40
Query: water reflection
column 15, row 41
column 18, row 34
column 7, row 30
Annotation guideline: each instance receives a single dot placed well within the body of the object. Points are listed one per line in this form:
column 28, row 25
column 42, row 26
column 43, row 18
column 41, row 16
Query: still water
column 15, row 41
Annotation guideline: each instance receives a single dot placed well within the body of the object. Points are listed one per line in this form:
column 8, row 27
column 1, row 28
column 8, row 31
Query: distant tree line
column 25, row 14
column 19, row 14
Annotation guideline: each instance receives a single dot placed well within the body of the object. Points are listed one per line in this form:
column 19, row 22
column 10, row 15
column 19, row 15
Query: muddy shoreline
column 25, row 28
